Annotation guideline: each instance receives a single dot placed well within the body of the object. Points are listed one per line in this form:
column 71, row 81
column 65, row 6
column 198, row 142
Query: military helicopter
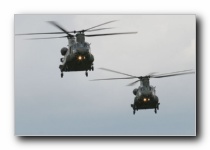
column 77, row 57
column 145, row 94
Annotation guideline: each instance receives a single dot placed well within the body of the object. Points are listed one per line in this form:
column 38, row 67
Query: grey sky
column 45, row 104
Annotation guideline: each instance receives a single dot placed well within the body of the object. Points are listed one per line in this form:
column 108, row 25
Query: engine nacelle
column 135, row 91
column 64, row 50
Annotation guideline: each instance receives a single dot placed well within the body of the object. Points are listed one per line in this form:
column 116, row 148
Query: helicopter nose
column 81, row 57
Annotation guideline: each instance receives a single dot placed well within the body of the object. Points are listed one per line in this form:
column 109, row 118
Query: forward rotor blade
column 59, row 27
column 99, row 25
column 174, row 72
column 112, row 78
column 46, row 38
column 111, row 34
column 118, row 72
column 170, row 75
column 133, row 83
column 45, row 33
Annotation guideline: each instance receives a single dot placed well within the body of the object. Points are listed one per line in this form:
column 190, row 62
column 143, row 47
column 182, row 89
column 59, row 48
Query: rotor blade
column 133, row 83
column 60, row 32
column 118, row 72
column 170, row 75
column 111, row 34
column 46, row 38
column 150, row 74
column 113, row 78
column 98, row 29
column 99, row 25
column 175, row 72
column 59, row 27
column 45, row 33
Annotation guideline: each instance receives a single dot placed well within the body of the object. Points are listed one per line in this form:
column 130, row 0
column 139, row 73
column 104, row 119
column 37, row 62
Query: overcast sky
column 45, row 104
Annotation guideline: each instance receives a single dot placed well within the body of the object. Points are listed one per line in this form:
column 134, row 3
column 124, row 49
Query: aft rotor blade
column 118, row 72
column 170, row 75
column 59, row 27
column 99, row 25
column 113, row 78
column 111, row 34
column 98, row 29
column 133, row 83
column 47, row 38
column 152, row 73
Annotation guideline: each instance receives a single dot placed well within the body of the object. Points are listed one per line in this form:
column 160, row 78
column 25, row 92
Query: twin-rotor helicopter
column 145, row 94
column 77, row 56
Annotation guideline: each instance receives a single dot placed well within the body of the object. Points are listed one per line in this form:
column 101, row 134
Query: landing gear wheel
column 92, row 68
column 134, row 112
column 61, row 74
column 86, row 73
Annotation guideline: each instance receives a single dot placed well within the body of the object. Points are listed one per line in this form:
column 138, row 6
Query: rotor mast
column 80, row 38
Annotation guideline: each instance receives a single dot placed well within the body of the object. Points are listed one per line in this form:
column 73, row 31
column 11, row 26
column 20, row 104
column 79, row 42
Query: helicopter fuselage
column 77, row 57
column 145, row 97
